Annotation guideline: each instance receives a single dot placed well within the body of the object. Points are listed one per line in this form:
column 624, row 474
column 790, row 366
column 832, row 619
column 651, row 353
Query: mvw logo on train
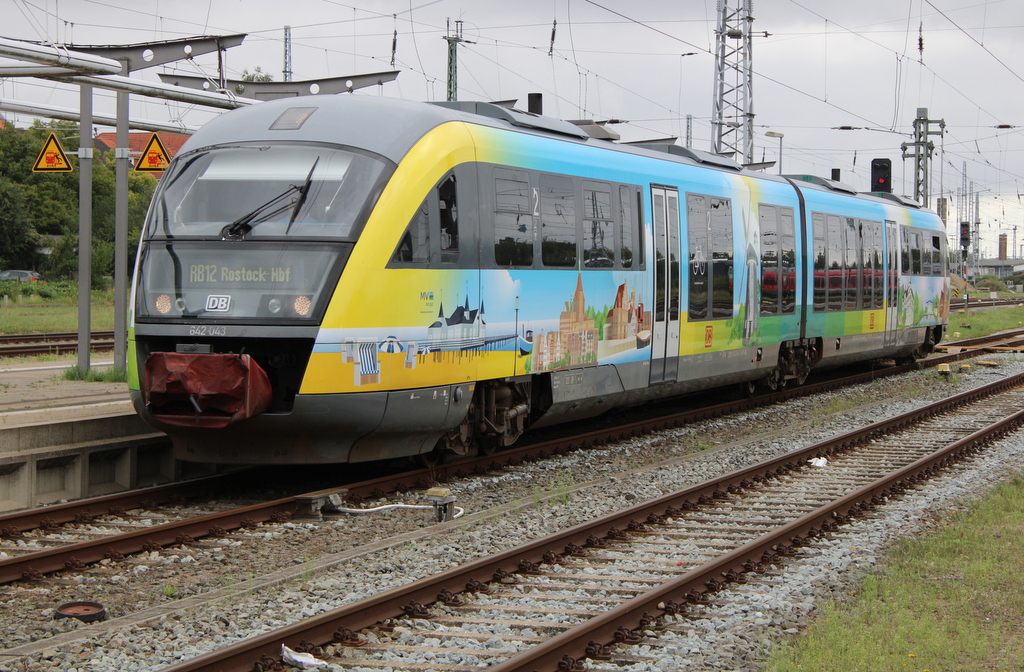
column 216, row 303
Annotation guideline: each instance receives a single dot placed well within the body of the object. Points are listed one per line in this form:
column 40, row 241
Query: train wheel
column 749, row 388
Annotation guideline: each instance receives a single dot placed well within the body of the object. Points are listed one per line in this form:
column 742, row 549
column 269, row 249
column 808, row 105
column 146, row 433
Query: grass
column 46, row 316
column 105, row 375
column 952, row 600
column 983, row 322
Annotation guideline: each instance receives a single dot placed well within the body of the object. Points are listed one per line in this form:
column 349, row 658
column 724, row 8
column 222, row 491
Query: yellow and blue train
column 351, row 278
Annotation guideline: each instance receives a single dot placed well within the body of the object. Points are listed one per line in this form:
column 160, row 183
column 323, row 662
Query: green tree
column 41, row 209
column 257, row 75
column 16, row 235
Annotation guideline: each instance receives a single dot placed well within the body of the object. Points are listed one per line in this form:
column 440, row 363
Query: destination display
column 264, row 280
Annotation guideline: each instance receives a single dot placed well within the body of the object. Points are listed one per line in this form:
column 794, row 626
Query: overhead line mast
column 453, row 65
column 732, row 120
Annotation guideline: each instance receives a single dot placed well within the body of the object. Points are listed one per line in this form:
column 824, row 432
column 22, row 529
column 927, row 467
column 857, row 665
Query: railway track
column 595, row 590
column 25, row 345
column 113, row 530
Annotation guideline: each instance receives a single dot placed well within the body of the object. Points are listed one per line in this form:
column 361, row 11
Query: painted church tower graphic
column 576, row 340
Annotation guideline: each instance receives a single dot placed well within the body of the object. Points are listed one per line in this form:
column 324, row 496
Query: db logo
column 218, row 304
column 709, row 336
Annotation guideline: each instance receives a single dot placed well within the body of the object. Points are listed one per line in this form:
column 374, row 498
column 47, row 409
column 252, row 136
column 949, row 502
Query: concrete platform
column 63, row 439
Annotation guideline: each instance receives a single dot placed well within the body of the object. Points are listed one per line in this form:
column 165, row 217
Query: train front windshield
column 266, row 191
column 253, row 232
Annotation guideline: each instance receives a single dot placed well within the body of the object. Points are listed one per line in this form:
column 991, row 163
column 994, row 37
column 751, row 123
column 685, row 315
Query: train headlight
column 163, row 304
column 274, row 306
column 302, row 305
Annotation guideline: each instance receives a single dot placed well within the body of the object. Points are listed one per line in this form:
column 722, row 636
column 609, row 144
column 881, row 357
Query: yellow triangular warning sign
column 154, row 157
column 52, row 159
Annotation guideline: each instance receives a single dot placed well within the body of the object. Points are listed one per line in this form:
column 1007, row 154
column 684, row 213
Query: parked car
column 20, row 276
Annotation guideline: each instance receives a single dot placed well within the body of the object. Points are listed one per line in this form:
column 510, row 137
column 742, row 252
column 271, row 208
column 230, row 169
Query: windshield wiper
column 302, row 196
column 241, row 226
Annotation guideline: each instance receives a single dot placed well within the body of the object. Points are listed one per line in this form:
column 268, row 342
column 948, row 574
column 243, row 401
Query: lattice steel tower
column 454, row 40
column 732, row 121
column 287, row 53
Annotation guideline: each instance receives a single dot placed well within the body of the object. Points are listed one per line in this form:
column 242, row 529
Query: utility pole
column 453, row 64
column 732, row 120
column 922, row 153
column 288, row 53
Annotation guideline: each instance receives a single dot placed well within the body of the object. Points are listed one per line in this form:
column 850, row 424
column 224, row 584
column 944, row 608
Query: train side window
column 722, row 257
column 697, row 231
column 414, row 247
column 513, row 219
column 938, row 258
column 558, row 228
column 626, row 229
column 905, row 250
column 638, row 226
column 851, row 272
column 820, row 262
column 787, row 260
column 598, row 227
column 877, row 266
column 915, row 253
column 770, row 280
column 557, row 221
column 672, row 230
column 448, row 210
column 892, row 241
column 836, row 255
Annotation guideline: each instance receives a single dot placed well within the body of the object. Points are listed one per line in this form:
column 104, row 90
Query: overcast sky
column 818, row 65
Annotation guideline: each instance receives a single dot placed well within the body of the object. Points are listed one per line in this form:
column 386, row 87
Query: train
column 332, row 279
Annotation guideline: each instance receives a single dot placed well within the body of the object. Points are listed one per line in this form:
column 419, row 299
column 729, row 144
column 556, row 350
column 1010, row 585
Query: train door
column 665, row 339
column 892, row 247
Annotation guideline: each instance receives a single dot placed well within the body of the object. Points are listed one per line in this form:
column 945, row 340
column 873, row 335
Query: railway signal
column 881, row 175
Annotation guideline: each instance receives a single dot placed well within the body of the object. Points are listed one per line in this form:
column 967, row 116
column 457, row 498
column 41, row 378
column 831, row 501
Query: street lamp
column 776, row 134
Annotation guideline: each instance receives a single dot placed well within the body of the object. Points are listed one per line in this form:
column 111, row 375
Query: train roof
column 390, row 127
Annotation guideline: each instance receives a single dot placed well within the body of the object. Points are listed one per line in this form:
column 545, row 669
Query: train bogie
column 410, row 278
